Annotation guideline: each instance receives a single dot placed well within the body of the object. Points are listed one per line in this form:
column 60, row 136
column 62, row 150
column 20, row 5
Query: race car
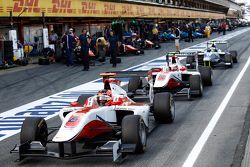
column 108, row 124
column 131, row 46
column 214, row 55
column 176, row 78
column 127, row 49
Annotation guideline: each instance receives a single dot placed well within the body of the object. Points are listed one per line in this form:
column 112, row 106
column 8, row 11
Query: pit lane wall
column 95, row 8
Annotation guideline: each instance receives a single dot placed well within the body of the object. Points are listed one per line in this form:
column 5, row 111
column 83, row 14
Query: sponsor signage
column 95, row 8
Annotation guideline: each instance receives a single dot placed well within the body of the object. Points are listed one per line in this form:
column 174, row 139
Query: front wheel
column 228, row 61
column 34, row 129
column 134, row 131
column 234, row 56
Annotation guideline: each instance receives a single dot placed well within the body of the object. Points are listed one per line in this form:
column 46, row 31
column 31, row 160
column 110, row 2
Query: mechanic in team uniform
column 177, row 38
column 101, row 48
column 85, row 44
column 208, row 30
column 224, row 27
column 113, row 47
column 69, row 41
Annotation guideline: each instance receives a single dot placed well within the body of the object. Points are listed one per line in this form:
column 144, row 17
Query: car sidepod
column 76, row 125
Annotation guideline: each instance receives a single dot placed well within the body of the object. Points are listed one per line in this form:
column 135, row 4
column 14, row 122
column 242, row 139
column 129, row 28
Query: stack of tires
column 8, row 52
column 46, row 52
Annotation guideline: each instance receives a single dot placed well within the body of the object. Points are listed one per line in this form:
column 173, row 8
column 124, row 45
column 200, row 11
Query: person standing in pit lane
column 101, row 48
column 113, row 47
column 208, row 30
column 53, row 40
column 177, row 38
column 190, row 34
column 224, row 27
column 85, row 44
column 69, row 41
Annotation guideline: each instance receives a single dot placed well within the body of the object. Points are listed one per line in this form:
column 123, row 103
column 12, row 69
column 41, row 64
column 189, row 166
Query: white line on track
column 193, row 155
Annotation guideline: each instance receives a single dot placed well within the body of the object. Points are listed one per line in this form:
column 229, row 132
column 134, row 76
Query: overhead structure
column 62, row 14
column 111, row 9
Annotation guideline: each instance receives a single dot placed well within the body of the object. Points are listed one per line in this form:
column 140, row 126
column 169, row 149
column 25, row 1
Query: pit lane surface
column 168, row 145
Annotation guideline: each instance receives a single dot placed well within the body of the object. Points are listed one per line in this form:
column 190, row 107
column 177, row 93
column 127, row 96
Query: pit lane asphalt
column 168, row 145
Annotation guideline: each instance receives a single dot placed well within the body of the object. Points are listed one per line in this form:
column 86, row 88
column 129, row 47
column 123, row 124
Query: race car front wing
column 114, row 149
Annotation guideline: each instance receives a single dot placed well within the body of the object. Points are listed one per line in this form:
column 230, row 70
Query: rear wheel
column 234, row 56
column 82, row 99
column 164, row 107
column 34, row 129
column 228, row 61
column 189, row 62
column 134, row 84
column 196, row 87
column 134, row 131
column 206, row 75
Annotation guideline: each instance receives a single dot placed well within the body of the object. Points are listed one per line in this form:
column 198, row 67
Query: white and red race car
column 127, row 49
column 176, row 78
column 106, row 124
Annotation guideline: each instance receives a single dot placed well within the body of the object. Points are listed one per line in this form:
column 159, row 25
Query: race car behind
column 217, row 54
column 176, row 78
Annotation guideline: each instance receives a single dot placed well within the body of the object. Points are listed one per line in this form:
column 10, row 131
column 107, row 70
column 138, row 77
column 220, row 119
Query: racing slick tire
column 196, row 86
column 229, row 60
column 206, row 75
column 141, row 51
column 234, row 56
column 34, row 129
column 134, row 131
column 43, row 61
column 164, row 107
column 190, row 61
column 157, row 46
column 82, row 99
column 133, row 84
column 137, row 52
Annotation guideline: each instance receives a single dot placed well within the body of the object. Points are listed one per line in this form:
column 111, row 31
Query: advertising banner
column 95, row 8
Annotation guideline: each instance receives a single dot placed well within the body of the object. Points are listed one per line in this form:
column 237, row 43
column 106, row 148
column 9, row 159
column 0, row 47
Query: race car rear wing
column 212, row 42
column 184, row 54
column 181, row 54
column 124, row 74
column 217, row 42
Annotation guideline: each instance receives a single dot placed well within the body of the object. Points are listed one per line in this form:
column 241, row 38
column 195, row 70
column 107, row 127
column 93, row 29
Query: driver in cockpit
column 103, row 97
column 213, row 48
column 173, row 64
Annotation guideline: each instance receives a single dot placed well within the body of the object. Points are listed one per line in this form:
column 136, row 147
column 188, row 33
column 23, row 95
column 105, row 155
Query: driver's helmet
column 103, row 97
column 213, row 48
column 173, row 65
column 174, row 59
